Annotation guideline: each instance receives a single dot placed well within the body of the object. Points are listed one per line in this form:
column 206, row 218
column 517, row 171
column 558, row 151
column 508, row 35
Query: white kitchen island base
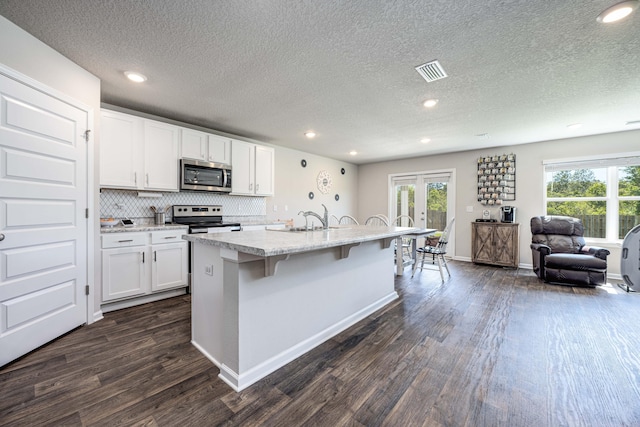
column 252, row 314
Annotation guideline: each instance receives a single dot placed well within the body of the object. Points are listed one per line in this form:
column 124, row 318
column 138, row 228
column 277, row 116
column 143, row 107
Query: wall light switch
column 469, row 208
column 286, row 208
column 275, row 208
column 208, row 270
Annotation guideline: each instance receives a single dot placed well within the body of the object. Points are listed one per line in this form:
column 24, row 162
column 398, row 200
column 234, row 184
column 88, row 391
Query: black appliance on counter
column 202, row 219
column 508, row 214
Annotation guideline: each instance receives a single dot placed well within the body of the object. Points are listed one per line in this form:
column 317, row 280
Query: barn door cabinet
column 495, row 243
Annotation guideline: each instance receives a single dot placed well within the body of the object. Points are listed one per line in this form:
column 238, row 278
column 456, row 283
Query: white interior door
column 43, row 229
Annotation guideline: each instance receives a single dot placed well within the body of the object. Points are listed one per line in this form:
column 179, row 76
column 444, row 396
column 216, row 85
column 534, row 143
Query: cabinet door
column 243, row 168
column 161, row 156
column 123, row 273
column 169, row 266
column 506, row 250
column 264, row 170
column 482, row 243
column 193, row 144
column 120, row 150
column 219, row 149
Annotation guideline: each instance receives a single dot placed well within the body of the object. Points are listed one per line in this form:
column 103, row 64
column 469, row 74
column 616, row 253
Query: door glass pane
column 436, row 205
column 405, row 201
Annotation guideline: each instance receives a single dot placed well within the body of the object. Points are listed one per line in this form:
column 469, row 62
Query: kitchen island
column 262, row 298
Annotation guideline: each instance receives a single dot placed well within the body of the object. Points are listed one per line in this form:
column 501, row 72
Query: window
column 603, row 193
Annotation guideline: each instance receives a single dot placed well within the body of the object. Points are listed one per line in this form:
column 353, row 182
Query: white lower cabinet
column 139, row 264
column 169, row 266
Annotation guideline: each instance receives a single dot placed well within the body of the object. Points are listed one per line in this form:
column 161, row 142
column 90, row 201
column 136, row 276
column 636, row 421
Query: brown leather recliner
column 560, row 255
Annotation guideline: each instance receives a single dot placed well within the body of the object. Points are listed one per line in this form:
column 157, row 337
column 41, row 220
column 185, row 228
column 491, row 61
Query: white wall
column 373, row 179
column 293, row 184
column 24, row 53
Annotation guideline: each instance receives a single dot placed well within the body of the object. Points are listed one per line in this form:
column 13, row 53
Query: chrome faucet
column 324, row 221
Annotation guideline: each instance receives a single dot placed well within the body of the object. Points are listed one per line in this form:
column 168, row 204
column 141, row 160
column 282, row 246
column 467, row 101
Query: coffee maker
column 508, row 214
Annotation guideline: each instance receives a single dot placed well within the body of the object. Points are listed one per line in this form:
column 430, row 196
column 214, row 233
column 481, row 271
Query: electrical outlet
column 208, row 270
column 469, row 208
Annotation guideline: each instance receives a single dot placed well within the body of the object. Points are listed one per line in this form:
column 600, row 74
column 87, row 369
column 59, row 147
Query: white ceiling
column 519, row 70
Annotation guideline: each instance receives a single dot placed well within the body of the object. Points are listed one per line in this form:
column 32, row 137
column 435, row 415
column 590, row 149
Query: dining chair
column 377, row 220
column 348, row 219
column 438, row 252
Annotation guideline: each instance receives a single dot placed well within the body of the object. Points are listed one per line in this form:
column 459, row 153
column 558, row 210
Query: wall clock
column 324, row 182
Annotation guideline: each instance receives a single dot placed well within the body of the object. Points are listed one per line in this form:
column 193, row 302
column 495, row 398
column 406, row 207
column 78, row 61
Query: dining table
column 414, row 236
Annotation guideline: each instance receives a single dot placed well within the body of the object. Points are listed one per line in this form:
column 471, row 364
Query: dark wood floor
column 489, row 347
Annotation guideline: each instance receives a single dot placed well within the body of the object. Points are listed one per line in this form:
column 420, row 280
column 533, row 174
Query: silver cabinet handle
column 135, row 178
column 1, row 237
column 171, row 237
column 142, row 257
column 125, row 241
column 154, row 256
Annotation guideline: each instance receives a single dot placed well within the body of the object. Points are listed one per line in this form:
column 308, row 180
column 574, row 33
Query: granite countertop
column 142, row 227
column 267, row 242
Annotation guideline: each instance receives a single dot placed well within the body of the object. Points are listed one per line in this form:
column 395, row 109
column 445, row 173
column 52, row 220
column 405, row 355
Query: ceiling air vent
column 431, row 71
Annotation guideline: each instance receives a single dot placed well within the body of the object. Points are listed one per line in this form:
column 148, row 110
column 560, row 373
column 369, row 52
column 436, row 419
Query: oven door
column 221, row 229
column 205, row 176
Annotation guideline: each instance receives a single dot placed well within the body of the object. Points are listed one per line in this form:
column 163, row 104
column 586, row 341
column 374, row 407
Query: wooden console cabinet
column 495, row 243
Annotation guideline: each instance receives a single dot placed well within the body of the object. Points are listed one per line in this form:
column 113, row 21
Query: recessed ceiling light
column 425, row 140
column 617, row 11
column 310, row 134
column 135, row 77
column 429, row 103
column 353, row 152
column 575, row 126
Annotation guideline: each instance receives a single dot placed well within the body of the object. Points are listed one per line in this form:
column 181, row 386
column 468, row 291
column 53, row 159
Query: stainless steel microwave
column 198, row 175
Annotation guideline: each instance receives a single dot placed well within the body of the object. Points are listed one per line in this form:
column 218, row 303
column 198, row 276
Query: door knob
column 1, row 237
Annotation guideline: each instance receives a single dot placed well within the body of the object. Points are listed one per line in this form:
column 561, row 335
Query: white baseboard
column 118, row 305
column 240, row 382
column 206, row 354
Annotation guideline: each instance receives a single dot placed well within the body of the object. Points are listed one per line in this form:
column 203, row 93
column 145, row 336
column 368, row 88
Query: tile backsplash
column 132, row 206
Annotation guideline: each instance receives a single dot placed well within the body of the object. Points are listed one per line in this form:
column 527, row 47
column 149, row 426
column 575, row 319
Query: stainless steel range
column 203, row 219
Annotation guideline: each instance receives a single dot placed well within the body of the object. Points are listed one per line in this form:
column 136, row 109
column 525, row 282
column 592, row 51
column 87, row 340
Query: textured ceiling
column 519, row 70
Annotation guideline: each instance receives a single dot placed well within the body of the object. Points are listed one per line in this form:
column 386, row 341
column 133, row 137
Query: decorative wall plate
column 324, row 182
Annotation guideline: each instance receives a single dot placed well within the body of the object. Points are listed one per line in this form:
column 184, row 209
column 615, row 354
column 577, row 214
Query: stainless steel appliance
column 507, row 214
column 203, row 219
column 198, row 175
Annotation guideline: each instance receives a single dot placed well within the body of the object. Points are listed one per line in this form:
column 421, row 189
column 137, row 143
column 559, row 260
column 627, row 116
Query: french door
column 428, row 198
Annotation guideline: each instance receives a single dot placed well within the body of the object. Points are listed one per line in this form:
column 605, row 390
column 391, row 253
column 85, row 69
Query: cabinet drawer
column 123, row 240
column 168, row 236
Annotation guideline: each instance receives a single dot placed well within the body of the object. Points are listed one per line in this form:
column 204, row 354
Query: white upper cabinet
column 219, row 149
column 120, row 151
column 138, row 153
column 204, row 146
column 193, row 144
column 161, row 156
column 252, row 169
column 264, row 170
